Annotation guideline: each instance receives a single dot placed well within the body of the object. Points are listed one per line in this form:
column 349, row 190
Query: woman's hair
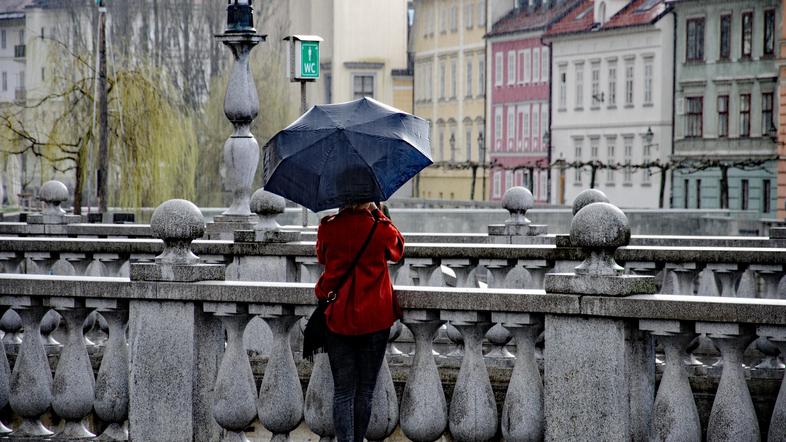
column 355, row 206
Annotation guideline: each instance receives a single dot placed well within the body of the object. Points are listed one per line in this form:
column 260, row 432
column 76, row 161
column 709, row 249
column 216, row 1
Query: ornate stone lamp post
column 241, row 106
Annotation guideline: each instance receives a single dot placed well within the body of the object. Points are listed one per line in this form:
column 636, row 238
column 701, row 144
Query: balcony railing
column 19, row 51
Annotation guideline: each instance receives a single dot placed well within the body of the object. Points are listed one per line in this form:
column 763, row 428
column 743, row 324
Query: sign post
column 303, row 67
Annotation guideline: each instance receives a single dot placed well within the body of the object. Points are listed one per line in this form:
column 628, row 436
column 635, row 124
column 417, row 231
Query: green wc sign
column 303, row 57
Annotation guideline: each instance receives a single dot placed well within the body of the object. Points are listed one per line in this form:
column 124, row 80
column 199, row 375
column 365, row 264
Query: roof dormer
column 605, row 9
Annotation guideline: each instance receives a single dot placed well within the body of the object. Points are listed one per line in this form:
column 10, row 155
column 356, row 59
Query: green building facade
column 725, row 97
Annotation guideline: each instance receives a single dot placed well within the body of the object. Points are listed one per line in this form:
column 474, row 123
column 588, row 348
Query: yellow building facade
column 450, row 87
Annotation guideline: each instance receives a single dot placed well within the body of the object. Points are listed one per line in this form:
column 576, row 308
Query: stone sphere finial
column 53, row 193
column 517, row 200
column 177, row 222
column 587, row 197
column 267, row 206
column 599, row 229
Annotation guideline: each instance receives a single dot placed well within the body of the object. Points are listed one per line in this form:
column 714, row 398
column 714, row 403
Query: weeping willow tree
column 152, row 142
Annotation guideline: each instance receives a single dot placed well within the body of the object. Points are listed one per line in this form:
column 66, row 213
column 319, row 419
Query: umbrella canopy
column 336, row 154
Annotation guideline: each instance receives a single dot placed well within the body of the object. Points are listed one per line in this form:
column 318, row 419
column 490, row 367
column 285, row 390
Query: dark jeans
column 355, row 363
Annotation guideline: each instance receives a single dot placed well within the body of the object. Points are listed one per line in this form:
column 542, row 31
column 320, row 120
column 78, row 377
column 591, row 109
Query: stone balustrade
column 184, row 374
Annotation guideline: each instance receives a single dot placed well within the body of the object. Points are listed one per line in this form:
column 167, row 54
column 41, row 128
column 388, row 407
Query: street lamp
column 649, row 136
column 482, row 160
column 240, row 16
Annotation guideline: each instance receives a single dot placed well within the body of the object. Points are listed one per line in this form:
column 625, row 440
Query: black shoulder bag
column 316, row 328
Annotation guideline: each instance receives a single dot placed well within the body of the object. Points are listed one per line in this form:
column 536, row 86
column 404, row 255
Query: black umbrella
column 351, row 152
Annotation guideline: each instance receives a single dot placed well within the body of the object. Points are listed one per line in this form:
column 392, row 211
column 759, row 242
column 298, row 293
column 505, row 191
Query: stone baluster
column 522, row 412
column 462, row 268
column 473, row 409
column 425, row 271
column 728, row 276
column 384, row 406
column 684, row 276
column 96, row 268
column 454, row 336
column 674, row 415
column 31, row 379
column 5, row 376
column 234, row 394
column 280, row 403
column 537, row 269
column 498, row 272
column 394, row 268
column 49, row 324
column 37, row 263
column 74, row 384
column 771, row 275
column 424, row 411
column 395, row 333
column 587, row 393
column 10, row 262
column 517, row 201
column 11, row 325
column 111, row 401
column 733, row 417
column 110, row 263
column 498, row 336
column 318, row 409
column 777, row 430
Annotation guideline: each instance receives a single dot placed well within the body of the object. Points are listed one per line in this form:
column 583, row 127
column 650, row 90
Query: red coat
column 365, row 302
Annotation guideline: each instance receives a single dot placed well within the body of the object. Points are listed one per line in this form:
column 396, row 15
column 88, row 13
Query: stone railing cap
column 266, row 203
column 53, row 192
column 518, row 199
column 177, row 220
column 587, row 197
column 600, row 226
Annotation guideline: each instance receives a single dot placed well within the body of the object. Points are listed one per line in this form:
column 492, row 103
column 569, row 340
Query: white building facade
column 611, row 101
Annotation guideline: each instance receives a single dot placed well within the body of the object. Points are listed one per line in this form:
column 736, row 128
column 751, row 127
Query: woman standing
column 364, row 309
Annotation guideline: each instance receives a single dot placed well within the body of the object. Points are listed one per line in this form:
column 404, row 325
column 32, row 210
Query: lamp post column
column 241, row 106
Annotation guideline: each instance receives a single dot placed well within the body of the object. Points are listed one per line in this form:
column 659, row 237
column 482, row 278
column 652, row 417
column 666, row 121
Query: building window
column 468, row 15
column 536, row 65
column 744, row 195
column 508, row 179
column 511, row 68
column 648, row 72
column 612, row 86
column 723, row 116
column 544, row 120
column 769, row 32
column 563, row 88
column 520, row 74
column 579, row 86
column 747, row 34
column 595, row 85
column 545, row 64
column 745, row 115
column 698, row 193
column 525, row 123
column 443, row 21
column 442, row 81
column 765, row 196
column 611, row 158
column 329, row 88
column 2, row 39
column 628, row 157
column 725, row 37
column 511, row 128
column 468, row 91
column 497, row 187
column 481, row 77
column 535, row 126
column 694, row 40
column 629, row 84
column 5, row 81
column 454, row 19
column 527, row 70
column 43, row 74
column 594, row 148
column 694, row 117
column 482, row 13
column 498, row 128
column 441, row 147
column 453, row 78
column 22, row 37
column 452, row 140
column 468, row 139
column 767, row 125
column 498, row 68
column 685, row 191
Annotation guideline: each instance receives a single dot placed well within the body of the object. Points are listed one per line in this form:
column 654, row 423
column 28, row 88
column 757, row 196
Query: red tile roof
column 524, row 19
column 635, row 13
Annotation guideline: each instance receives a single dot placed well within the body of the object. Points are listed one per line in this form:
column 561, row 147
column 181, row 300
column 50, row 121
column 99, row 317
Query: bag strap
column 346, row 274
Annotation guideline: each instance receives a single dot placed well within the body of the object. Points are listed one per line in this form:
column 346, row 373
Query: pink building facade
column 518, row 112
